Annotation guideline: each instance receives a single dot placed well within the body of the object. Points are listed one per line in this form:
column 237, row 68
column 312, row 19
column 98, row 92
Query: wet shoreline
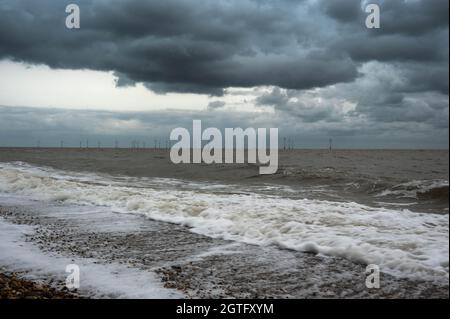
column 202, row 267
column 13, row 286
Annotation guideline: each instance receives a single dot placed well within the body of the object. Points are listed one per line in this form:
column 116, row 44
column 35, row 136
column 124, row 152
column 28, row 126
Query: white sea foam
column 401, row 242
column 96, row 280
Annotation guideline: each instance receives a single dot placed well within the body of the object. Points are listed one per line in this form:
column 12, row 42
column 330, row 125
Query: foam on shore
column 96, row 280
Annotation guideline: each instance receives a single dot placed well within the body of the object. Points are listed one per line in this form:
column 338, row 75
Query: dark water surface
column 138, row 223
column 414, row 179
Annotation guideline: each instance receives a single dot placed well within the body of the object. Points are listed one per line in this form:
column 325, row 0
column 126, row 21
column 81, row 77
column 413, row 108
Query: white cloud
column 40, row 86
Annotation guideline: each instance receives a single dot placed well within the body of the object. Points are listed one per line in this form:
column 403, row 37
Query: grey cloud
column 343, row 10
column 395, row 48
column 122, row 80
column 213, row 105
column 401, row 93
column 412, row 33
column 21, row 126
column 428, row 77
column 207, row 46
column 274, row 98
column 410, row 18
column 382, row 94
column 413, row 17
column 306, row 110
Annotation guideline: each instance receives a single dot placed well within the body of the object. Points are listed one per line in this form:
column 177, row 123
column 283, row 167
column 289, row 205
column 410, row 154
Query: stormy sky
column 138, row 68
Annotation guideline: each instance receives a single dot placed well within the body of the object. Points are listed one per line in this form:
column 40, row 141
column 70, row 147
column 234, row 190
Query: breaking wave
column 401, row 242
column 422, row 190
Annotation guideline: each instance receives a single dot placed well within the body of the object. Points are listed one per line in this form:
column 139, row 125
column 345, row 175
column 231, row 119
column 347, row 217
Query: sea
column 140, row 226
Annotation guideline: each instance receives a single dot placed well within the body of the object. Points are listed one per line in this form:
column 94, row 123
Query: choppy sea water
column 312, row 217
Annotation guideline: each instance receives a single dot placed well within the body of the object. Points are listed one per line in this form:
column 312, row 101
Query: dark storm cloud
column 428, row 77
column 412, row 33
column 206, row 46
column 413, row 17
column 367, row 85
column 343, row 10
column 175, row 45
column 391, row 48
column 398, row 16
